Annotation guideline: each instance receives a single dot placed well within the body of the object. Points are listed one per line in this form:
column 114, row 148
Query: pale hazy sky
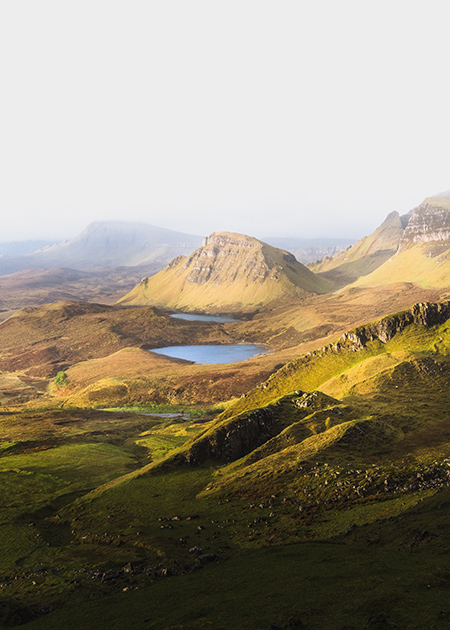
column 306, row 118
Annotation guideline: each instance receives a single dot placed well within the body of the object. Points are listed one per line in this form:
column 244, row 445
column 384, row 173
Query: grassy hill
column 230, row 272
column 335, row 470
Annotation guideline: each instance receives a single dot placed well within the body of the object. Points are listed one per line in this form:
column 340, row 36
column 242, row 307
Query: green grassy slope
column 316, row 368
column 261, row 516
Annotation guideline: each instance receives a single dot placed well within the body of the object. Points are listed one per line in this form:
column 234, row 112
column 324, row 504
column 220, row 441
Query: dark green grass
column 316, row 586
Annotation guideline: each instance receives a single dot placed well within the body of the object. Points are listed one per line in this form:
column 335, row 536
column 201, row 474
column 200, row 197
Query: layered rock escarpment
column 216, row 260
column 429, row 222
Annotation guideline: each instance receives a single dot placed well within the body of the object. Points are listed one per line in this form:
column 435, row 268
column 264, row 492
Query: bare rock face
column 429, row 222
column 229, row 257
column 235, row 439
column 424, row 314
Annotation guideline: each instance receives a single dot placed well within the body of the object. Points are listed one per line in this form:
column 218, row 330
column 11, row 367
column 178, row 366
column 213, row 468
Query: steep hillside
column 413, row 330
column 230, row 272
column 366, row 255
column 381, row 391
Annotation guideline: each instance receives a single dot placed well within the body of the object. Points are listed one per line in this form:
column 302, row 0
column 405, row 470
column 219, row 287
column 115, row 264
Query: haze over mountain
column 309, row 249
column 228, row 272
column 111, row 244
column 22, row 248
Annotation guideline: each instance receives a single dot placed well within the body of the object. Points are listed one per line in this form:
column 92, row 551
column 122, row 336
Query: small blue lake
column 196, row 317
column 212, row 354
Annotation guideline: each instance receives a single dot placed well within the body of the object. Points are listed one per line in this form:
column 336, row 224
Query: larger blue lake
column 196, row 317
column 212, row 354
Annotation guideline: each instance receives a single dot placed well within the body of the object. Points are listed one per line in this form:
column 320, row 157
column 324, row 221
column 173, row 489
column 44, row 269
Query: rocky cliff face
column 235, row 439
column 429, row 222
column 225, row 256
column 424, row 314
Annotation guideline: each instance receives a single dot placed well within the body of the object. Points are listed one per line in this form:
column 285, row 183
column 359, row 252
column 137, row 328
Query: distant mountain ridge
column 114, row 244
column 117, row 243
column 229, row 272
column 109, row 244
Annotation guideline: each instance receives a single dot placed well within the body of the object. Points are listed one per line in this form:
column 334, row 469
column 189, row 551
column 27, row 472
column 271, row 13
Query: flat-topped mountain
column 229, row 272
column 414, row 247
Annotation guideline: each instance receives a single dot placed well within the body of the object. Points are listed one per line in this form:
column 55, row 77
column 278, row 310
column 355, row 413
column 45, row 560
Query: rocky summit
column 229, row 272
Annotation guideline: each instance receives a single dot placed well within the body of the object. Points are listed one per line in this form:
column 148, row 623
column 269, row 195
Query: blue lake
column 212, row 354
column 196, row 317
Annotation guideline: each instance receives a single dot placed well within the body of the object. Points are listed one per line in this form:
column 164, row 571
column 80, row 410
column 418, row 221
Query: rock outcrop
column 233, row 439
column 424, row 314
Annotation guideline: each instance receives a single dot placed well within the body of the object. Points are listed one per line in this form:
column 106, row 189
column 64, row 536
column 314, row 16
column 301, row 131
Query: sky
column 284, row 118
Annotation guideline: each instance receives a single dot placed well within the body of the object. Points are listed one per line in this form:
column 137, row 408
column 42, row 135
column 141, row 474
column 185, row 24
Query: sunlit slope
column 382, row 390
column 229, row 272
column 423, row 328
column 366, row 255
column 424, row 265
column 381, row 394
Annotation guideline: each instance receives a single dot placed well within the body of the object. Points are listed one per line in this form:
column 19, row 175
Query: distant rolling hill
column 229, row 272
column 22, row 248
